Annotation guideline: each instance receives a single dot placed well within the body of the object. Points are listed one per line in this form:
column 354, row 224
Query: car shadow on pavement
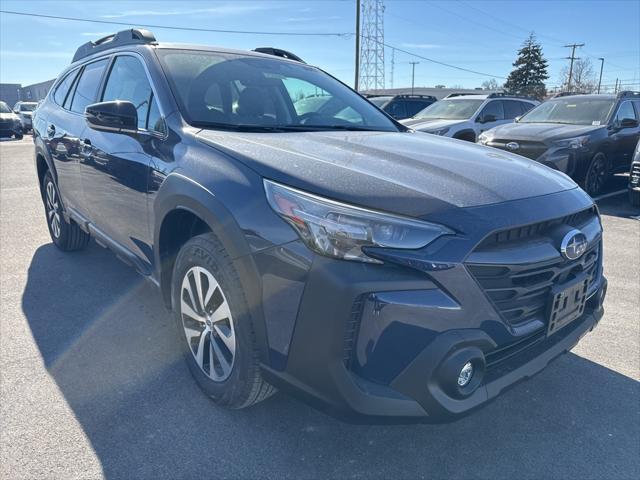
column 110, row 345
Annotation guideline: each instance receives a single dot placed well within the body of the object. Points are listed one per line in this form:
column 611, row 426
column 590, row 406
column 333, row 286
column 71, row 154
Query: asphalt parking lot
column 92, row 384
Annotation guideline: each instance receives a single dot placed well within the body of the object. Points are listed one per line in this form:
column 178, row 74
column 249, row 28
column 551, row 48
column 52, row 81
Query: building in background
column 10, row 93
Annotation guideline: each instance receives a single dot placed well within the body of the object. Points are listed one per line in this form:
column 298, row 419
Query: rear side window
column 625, row 111
column 396, row 109
column 87, row 88
column 416, row 106
column 511, row 109
column 63, row 87
column 526, row 106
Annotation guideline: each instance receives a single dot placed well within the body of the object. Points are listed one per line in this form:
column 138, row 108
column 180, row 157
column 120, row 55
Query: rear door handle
column 51, row 131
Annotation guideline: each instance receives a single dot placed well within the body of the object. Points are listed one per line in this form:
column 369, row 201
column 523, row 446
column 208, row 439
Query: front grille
column 528, row 149
column 534, row 230
column 635, row 174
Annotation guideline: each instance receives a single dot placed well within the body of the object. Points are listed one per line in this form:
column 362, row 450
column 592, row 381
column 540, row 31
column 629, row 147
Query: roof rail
column 278, row 52
column 567, row 94
column 415, row 95
column 133, row 36
column 628, row 93
column 461, row 94
column 510, row 95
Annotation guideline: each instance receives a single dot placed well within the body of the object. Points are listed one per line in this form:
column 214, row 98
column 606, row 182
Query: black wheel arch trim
column 179, row 192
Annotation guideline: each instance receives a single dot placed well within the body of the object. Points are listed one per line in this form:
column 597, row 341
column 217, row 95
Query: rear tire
column 19, row 136
column 67, row 236
column 214, row 325
column 597, row 174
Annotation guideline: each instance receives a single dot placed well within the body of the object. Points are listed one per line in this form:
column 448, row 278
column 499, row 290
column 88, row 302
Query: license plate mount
column 567, row 303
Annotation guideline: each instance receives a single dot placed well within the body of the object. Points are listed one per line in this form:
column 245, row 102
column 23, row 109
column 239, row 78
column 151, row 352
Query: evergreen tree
column 530, row 72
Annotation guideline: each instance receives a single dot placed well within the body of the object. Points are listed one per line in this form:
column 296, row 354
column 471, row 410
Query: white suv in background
column 465, row 117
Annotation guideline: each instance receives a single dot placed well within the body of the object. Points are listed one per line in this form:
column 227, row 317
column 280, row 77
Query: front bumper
column 8, row 129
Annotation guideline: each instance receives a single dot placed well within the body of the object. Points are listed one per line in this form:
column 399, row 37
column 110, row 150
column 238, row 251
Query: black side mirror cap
column 117, row 116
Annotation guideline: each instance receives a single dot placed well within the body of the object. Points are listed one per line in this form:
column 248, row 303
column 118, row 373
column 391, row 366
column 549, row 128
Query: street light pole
column 601, row 68
column 413, row 74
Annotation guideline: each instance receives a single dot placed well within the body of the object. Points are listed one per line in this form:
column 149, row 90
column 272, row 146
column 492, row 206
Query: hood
column 407, row 173
column 541, row 132
column 8, row 116
column 429, row 125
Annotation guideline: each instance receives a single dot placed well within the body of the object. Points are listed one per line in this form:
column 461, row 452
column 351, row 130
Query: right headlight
column 342, row 231
column 485, row 138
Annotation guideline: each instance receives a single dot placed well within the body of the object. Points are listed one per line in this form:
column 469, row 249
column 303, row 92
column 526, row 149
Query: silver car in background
column 24, row 111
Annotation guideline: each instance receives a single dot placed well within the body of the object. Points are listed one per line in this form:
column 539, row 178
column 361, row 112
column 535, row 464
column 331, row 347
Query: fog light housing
column 465, row 375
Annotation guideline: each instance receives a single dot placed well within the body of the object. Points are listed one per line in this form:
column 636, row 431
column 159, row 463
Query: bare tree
column 490, row 84
column 583, row 77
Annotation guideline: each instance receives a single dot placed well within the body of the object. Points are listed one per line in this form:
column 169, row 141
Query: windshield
column 221, row 90
column 28, row 107
column 573, row 111
column 450, row 110
column 4, row 108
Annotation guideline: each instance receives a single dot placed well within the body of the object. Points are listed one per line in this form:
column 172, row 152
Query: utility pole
column 601, row 68
column 413, row 74
column 356, row 84
column 393, row 64
column 573, row 57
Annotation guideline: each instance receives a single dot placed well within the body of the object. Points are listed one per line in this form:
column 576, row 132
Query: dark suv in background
column 402, row 106
column 375, row 272
column 588, row 137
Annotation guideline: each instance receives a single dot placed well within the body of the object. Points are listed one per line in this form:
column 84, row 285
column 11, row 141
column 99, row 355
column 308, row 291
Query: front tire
column 597, row 174
column 214, row 325
column 67, row 236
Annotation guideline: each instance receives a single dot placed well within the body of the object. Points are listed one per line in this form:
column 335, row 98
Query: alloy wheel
column 597, row 176
column 208, row 323
column 53, row 209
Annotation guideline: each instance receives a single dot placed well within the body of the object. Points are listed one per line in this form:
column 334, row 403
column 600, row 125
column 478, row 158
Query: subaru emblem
column 513, row 146
column 573, row 245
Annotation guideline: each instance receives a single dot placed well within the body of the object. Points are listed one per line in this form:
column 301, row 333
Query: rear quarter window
column 63, row 87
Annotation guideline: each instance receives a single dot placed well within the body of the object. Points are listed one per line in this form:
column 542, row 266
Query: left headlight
column 484, row 138
column 341, row 231
column 574, row 142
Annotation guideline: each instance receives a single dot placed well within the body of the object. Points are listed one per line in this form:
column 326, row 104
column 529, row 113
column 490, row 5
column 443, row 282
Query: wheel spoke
column 222, row 360
column 186, row 285
column 201, row 345
column 229, row 340
column 190, row 312
column 221, row 313
column 198, row 279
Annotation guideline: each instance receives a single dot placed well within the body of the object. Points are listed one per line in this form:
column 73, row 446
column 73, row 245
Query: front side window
column 128, row 81
column 4, row 108
column 396, row 108
column 450, row 110
column 87, row 88
column 222, row 90
column 493, row 111
column 571, row 111
column 63, row 87
column 625, row 111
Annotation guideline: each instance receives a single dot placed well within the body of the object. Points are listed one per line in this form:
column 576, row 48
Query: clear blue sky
column 475, row 34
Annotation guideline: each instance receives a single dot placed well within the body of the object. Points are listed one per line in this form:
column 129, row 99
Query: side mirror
column 517, row 119
column 117, row 116
column 487, row 118
column 628, row 123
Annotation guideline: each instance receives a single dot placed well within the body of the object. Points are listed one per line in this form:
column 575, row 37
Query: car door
column 624, row 139
column 116, row 167
column 491, row 115
column 65, row 125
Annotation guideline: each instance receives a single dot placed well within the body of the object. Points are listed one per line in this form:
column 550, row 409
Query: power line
column 169, row 27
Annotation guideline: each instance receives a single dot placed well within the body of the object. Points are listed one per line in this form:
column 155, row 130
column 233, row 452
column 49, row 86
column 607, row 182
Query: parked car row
column 10, row 125
column 24, row 111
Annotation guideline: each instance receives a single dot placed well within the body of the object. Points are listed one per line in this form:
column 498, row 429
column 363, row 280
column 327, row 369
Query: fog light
column 464, row 377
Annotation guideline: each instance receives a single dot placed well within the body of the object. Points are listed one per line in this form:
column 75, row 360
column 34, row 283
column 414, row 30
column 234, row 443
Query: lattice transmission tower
column 372, row 45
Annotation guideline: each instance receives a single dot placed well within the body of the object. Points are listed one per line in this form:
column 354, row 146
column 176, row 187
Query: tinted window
column 511, row 109
column 154, row 120
column 493, row 108
column 396, row 109
column 416, row 106
column 128, row 81
column 87, row 88
column 625, row 111
column 4, row 108
column 526, row 106
column 63, row 87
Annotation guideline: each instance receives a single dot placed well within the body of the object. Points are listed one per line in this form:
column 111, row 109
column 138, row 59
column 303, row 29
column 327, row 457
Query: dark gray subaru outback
column 304, row 240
